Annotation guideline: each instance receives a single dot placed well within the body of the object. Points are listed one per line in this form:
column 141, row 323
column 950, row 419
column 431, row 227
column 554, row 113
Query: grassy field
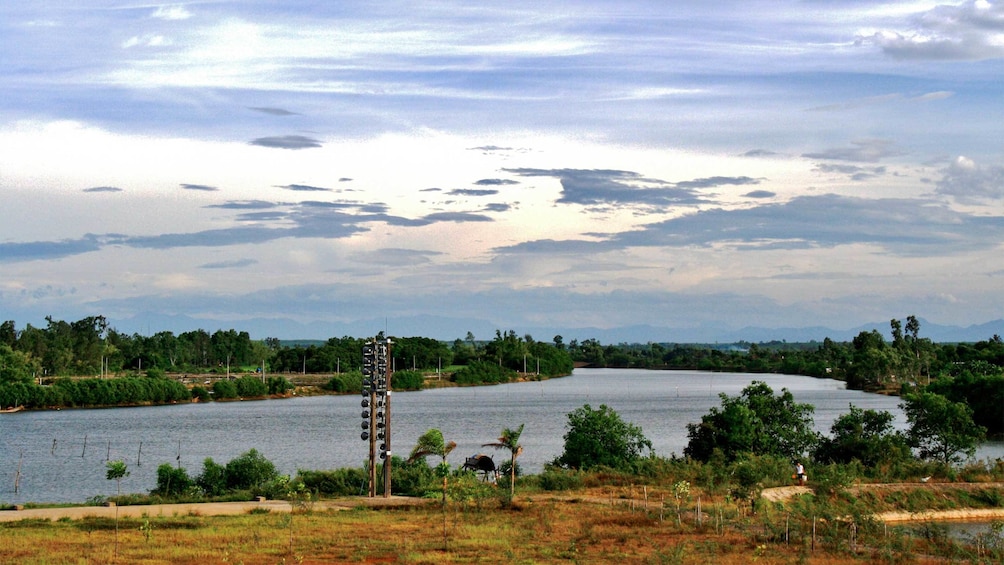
column 598, row 525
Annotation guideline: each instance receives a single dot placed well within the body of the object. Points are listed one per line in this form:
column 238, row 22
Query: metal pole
column 386, row 463
column 373, row 429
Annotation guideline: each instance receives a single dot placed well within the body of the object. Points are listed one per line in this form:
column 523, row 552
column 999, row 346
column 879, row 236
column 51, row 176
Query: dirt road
column 200, row 508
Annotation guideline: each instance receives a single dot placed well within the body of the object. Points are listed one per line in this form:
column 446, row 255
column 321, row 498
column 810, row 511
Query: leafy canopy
column 755, row 422
column 940, row 429
column 601, row 438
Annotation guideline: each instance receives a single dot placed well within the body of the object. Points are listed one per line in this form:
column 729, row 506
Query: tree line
column 36, row 363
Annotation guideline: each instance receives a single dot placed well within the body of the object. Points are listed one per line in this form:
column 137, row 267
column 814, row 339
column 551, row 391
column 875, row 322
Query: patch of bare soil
column 202, row 508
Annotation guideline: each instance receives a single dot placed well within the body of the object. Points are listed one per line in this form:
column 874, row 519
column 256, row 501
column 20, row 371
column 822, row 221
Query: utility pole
column 376, row 409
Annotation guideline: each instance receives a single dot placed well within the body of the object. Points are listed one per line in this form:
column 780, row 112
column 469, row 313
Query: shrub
column 279, row 385
column 223, row 390
column 172, row 481
column 339, row 482
column 555, row 478
column 249, row 471
column 213, row 480
column 200, row 393
column 250, row 387
column 407, row 380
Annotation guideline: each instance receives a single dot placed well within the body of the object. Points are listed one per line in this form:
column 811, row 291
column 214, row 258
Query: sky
column 523, row 164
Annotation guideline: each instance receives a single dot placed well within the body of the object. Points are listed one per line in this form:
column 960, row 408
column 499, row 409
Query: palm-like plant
column 432, row 443
column 509, row 440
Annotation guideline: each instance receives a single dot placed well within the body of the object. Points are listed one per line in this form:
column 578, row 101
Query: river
column 62, row 454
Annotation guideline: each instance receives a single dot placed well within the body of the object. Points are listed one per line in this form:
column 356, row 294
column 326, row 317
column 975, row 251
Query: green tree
column 432, row 443
column 867, row 436
column 940, row 429
column 509, row 441
column 601, row 438
column 116, row 471
column 756, row 422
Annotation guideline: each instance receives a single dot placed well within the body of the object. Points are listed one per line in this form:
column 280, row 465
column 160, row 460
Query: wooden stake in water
column 17, row 476
column 139, row 454
column 84, row 451
column 53, row 450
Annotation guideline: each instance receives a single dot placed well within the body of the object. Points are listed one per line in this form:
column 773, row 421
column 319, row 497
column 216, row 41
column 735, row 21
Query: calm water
column 64, row 452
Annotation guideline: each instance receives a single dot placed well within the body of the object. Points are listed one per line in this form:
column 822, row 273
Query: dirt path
column 200, row 508
column 781, row 494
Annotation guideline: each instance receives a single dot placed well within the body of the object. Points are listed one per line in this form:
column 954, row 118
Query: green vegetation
column 600, row 438
column 756, row 423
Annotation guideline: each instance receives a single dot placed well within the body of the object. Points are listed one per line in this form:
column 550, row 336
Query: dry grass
column 584, row 529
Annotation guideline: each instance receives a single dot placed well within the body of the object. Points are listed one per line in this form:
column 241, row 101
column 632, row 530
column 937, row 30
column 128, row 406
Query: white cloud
column 972, row 30
column 969, row 182
column 175, row 12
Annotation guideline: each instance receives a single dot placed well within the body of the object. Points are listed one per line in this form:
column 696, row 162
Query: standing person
column 800, row 473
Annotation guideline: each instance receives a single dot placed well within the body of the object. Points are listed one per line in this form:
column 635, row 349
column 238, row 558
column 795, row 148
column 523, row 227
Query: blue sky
column 538, row 164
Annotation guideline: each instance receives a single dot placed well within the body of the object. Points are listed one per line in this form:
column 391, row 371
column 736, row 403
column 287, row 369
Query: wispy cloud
column 287, row 142
column 102, row 189
column 200, row 187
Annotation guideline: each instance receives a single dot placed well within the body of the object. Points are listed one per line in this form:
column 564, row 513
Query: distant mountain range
column 449, row 329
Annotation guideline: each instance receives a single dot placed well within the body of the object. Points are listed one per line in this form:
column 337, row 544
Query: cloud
column 711, row 182
column 865, row 150
column 497, row 207
column 899, row 226
column 202, row 187
column 598, row 187
column 175, row 12
column 286, row 142
column 490, row 148
column 759, row 153
column 969, row 182
column 760, row 194
column 972, row 30
column 471, row 192
column 102, row 189
column 149, row 40
column 495, row 182
column 855, row 172
column 231, row 264
column 244, row 205
column 304, row 188
column 272, row 111
column 46, row 250
column 395, row 257
column 458, row 217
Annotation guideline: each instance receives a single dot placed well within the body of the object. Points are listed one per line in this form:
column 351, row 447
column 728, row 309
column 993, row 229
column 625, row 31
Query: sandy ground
column 200, row 509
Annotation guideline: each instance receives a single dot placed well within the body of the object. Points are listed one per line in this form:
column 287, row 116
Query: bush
column 279, row 385
column 201, row 394
column 345, row 382
column 339, row 482
column 407, row 380
column 483, row 372
column 249, row 471
column 223, row 390
column 251, row 387
column 556, row 478
column 172, row 481
column 213, row 480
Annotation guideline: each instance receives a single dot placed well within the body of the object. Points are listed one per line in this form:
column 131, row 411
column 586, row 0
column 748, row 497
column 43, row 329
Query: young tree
column 432, row 443
column 601, row 437
column 116, row 471
column 509, row 440
column 755, row 422
column 939, row 428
